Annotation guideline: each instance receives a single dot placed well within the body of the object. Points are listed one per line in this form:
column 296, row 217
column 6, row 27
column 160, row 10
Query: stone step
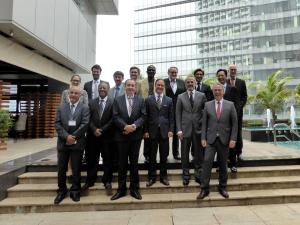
column 176, row 186
column 149, row 201
column 244, row 172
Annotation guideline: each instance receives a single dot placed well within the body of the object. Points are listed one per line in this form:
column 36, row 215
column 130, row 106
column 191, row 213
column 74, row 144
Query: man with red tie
column 219, row 132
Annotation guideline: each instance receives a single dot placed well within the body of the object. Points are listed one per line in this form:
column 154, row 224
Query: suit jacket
column 65, row 97
column 159, row 117
column 88, row 87
column 188, row 119
column 63, row 116
column 180, row 89
column 207, row 91
column 106, row 121
column 111, row 92
column 241, row 95
column 143, row 88
column 121, row 117
column 225, row 127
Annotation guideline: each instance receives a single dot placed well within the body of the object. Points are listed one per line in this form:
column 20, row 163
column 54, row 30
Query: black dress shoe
column 233, row 169
column 75, row 197
column 136, row 194
column 203, row 194
column 223, row 192
column 177, row 157
column 185, row 182
column 165, row 181
column 150, row 182
column 108, row 188
column 118, row 195
column 60, row 196
column 197, row 180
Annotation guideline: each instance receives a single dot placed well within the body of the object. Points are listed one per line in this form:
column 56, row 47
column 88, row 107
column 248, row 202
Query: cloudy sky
column 115, row 42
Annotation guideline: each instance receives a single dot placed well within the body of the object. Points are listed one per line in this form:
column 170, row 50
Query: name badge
column 72, row 123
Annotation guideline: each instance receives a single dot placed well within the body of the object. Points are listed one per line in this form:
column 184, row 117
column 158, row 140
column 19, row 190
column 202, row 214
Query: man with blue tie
column 71, row 124
column 129, row 114
column 219, row 133
column 118, row 89
column 158, row 129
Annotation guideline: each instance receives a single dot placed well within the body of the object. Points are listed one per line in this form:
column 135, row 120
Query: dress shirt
column 95, row 92
column 173, row 85
column 221, row 104
column 127, row 103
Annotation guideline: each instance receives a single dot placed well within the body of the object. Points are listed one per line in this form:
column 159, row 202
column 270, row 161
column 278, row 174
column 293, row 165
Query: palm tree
column 273, row 92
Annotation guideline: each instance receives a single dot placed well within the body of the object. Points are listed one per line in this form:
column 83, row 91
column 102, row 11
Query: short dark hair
column 197, row 70
column 172, row 67
column 148, row 67
column 129, row 80
column 118, row 73
column 219, row 70
column 97, row 67
column 104, row 82
column 135, row 67
column 158, row 80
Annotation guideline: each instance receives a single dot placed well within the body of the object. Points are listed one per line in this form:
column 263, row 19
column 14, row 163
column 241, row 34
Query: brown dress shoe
column 203, row 194
column 165, row 181
column 224, row 193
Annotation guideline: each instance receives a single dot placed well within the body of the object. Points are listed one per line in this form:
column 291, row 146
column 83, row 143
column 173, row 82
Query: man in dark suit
column 189, row 109
column 99, row 137
column 91, row 87
column 174, row 87
column 242, row 96
column 219, row 131
column 129, row 114
column 230, row 94
column 200, row 86
column 71, row 124
column 158, row 128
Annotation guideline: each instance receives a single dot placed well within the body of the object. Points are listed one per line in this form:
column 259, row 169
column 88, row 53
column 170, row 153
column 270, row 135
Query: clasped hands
column 129, row 129
column 71, row 140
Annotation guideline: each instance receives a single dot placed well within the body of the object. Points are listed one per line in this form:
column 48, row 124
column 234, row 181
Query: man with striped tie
column 129, row 114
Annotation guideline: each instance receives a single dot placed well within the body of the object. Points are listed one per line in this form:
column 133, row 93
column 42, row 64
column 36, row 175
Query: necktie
column 101, row 107
column 158, row 101
column 96, row 93
column 117, row 91
column 191, row 99
column 72, row 109
column 218, row 109
column 130, row 105
column 198, row 86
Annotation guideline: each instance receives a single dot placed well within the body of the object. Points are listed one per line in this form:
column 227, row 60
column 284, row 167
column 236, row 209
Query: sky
column 114, row 44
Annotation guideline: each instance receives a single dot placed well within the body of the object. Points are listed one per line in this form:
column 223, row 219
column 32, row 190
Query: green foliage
column 210, row 81
column 273, row 92
column 5, row 123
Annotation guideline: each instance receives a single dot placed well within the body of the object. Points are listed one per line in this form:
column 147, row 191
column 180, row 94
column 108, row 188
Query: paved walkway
column 281, row 214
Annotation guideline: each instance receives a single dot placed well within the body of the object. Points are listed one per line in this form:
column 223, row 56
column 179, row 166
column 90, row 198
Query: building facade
column 260, row 36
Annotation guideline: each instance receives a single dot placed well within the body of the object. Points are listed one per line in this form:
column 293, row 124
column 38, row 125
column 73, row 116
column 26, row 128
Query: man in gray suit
column 71, row 124
column 219, row 133
column 189, row 109
column 118, row 89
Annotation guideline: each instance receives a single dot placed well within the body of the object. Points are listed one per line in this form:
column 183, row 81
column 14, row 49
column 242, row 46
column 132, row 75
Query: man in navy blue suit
column 158, row 128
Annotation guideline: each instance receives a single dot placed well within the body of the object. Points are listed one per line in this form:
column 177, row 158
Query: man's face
column 172, row 73
column 96, row 73
column 75, row 81
column 232, row 71
column 134, row 74
column 199, row 76
column 130, row 87
column 190, row 84
column 118, row 79
column 103, row 90
column 218, row 91
column 221, row 77
column 159, row 87
column 151, row 71
column 74, row 94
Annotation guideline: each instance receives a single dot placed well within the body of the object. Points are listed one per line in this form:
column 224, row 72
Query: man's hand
column 204, row 143
column 170, row 134
column 129, row 129
column 180, row 135
column 98, row 132
column 70, row 140
column 146, row 135
column 232, row 144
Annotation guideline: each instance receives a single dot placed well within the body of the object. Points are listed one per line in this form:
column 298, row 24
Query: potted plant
column 5, row 125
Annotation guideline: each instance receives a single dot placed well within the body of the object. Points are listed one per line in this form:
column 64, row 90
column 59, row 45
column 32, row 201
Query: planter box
column 3, row 143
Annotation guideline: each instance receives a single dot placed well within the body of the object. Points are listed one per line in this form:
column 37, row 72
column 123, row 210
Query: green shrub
column 5, row 123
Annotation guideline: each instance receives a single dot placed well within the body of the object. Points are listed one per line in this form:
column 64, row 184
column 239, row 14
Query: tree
column 273, row 93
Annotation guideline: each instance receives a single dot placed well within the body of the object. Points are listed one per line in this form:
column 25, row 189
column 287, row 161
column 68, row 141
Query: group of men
column 113, row 124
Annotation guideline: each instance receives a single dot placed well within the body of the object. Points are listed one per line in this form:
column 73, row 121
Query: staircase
column 35, row 192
